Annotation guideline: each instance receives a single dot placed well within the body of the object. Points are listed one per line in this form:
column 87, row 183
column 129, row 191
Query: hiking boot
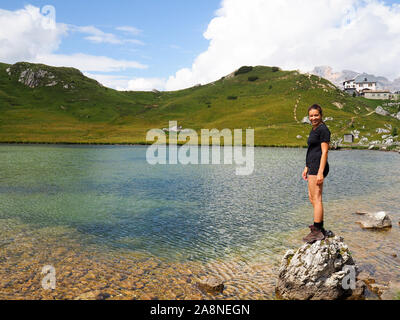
column 328, row 233
column 315, row 235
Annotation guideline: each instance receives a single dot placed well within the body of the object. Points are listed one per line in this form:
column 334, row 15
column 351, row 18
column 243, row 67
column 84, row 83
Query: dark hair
column 316, row 107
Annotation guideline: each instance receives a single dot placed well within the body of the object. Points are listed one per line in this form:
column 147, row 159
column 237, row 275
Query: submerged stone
column 211, row 285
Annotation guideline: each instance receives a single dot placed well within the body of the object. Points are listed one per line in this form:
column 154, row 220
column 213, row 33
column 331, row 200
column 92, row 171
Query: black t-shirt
column 314, row 151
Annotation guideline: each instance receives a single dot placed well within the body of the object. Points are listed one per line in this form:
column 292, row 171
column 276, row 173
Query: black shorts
column 313, row 169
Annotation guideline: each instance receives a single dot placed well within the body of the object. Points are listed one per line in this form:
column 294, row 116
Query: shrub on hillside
column 253, row 78
column 275, row 69
column 242, row 70
column 231, row 97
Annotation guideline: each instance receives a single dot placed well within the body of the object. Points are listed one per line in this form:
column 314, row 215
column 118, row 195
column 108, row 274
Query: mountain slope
column 40, row 103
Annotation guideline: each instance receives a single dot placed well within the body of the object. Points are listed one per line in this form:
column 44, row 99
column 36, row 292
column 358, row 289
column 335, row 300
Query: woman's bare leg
column 315, row 195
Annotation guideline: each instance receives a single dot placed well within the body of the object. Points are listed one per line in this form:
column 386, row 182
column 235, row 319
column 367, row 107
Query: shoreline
column 357, row 147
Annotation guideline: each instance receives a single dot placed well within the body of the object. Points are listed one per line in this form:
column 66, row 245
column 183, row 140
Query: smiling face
column 315, row 117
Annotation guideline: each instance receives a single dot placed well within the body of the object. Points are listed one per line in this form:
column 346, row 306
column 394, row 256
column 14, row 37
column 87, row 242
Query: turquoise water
column 111, row 197
column 175, row 211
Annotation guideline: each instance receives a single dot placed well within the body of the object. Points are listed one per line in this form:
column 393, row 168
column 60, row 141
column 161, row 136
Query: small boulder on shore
column 324, row 270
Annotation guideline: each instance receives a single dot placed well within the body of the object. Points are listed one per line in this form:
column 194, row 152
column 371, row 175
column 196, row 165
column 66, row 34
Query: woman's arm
column 304, row 174
column 322, row 164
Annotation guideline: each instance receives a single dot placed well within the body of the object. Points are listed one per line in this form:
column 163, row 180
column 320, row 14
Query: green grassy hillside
column 40, row 103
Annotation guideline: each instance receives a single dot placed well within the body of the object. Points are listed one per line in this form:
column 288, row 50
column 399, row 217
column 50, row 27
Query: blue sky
column 171, row 31
column 165, row 38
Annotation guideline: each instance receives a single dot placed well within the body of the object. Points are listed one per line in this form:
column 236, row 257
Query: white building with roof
column 377, row 94
column 360, row 83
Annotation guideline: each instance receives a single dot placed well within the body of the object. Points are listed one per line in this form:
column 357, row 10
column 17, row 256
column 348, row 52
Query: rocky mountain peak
column 35, row 75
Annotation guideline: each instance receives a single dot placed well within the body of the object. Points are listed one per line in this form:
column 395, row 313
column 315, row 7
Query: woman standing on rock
column 316, row 170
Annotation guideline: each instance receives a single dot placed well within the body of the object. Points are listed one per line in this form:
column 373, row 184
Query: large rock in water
column 324, row 270
column 377, row 220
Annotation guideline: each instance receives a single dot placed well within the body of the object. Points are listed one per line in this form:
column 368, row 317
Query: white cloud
column 145, row 84
column 125, row 83
column 98, row 36
column 26, row 33
column 110, row 81
column 86, row 62
column 130, row 30
column 297, row 34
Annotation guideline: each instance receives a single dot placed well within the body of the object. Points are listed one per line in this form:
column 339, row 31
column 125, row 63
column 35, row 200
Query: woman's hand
column 304, row 174
column 320, row 178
